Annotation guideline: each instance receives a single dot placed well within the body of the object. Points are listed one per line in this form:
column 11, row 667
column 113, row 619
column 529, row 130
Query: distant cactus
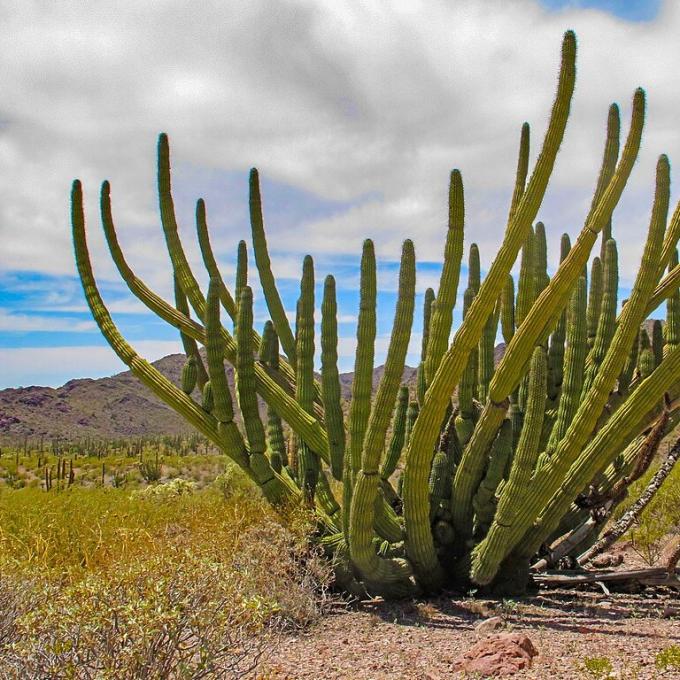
column 491, row 457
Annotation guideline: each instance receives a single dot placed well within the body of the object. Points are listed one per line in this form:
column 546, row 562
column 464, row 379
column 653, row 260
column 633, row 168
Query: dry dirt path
column 379, row 640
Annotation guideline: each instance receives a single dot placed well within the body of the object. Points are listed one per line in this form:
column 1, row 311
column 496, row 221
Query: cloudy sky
column 354, row 113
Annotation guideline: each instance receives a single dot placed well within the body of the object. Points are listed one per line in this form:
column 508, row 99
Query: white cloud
column 31, row 322
column 370, row 103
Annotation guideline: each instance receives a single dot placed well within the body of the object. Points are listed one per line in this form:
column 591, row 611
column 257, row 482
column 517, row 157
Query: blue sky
column 354, row 117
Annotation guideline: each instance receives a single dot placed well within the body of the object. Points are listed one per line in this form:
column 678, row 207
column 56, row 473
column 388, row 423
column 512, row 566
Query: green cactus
column 496, row 458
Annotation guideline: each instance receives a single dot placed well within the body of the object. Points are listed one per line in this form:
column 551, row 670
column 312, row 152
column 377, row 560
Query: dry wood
column 622, row 526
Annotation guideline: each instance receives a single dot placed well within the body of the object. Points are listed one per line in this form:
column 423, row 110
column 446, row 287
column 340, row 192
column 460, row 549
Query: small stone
column 488, row 626
column 670, row 612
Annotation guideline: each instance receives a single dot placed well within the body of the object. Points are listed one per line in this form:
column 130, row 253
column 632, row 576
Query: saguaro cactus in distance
column 466, row 475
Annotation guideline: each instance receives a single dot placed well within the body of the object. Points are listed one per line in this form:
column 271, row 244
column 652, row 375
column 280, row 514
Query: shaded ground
column 570, row 629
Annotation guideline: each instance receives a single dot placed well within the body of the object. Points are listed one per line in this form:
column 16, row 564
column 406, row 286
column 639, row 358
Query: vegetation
column 540, row 446
column 103, row 582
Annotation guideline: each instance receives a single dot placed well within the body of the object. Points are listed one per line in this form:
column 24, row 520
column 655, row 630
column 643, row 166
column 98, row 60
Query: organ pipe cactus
column 463, row 477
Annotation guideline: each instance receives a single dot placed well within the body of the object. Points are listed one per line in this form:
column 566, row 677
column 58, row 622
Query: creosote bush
column 500, row 464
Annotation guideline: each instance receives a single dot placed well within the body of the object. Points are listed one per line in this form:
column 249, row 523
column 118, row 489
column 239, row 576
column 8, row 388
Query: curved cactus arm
column 361, row 523
column 151, row 377
column 308, row 460
column 189, row 344
column 180, row 264
column 263, row 263
column 442, row 313
column 209, row 258
column 585, row 419
column 574, row 362
column 330, row 380
column 607, row 316
column 398, row 435
column 360, row 406
column 523, row 464
column 554, row 298
column 522, row 170
column 419, row 543
column 309, row 428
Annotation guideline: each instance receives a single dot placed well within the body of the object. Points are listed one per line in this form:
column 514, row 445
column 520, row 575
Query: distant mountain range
column 109, row 408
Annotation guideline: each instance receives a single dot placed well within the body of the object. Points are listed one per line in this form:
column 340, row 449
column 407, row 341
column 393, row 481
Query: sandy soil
column 376, row 640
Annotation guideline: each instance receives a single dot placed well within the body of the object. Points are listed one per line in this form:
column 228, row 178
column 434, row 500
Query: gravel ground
column 570, row 629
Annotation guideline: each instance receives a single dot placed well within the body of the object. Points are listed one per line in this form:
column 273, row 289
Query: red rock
column 498, row 655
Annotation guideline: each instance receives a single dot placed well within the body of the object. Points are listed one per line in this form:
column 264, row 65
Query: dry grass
column 104, row 583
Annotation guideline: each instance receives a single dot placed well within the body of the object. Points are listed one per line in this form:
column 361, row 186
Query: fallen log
column 654, row 576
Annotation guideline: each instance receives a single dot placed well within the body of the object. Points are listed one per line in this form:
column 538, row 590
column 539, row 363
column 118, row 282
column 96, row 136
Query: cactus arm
column 189, row 344
column 360, row 406
column 607, row 316
column 330, row 381
column 245, row 373
column 420, row 545
column 144, row 371
column 241, row 269
column 508, row 309
column 556, row 349
column 180, row 264
column 594, row 299
column 209, row 258
column 442, row 313
column 541, row 259
column 672, row 330
column 554, row 298
column 486, row 354
column 362, row 513
column 222, row 407
column 484, row 501
column 263, row 263
column 269, row 352
column 398, row 435
column 522, row 170
column 590, row 408
column 574, row 362
column 304, row 383
column 526, row 283
column 657, row 341
column 524, row 461
column 609, row 159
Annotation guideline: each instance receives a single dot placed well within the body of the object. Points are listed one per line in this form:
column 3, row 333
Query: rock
column 607, row 560
column 487, row 626
column 670, row 612
column 498, row 655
